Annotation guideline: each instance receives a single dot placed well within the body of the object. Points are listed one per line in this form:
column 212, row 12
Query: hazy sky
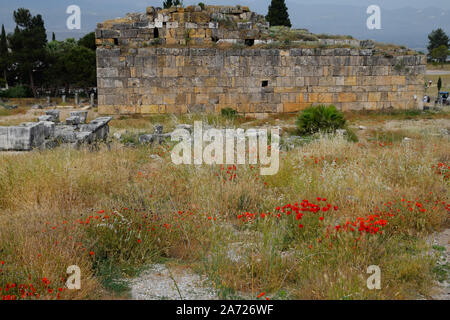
column 403, row 21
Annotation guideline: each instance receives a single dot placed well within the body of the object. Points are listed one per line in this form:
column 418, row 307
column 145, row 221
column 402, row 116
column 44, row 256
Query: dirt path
column 171, row 283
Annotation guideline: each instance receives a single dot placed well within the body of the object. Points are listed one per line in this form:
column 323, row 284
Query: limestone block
column 45, row 118
column 81, row 114
column 54, row 114
column 23, row 137
column 347, row 97
column 49, row 129
column 73, row 120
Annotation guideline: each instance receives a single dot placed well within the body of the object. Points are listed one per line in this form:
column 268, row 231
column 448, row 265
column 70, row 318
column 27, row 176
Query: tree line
column 31, row 65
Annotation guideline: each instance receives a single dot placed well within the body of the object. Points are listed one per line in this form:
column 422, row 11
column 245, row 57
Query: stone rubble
column 48, row 132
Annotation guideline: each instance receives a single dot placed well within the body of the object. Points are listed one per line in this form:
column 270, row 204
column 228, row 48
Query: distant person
column 425, row 99
column 430, row 83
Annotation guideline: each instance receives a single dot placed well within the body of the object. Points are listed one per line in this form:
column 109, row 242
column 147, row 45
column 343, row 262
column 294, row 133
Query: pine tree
column 436, row 39
column 53, row 36
column 4, row 54
column 278, row 14
column 439, row 84
column 28, row 45
column 167, row 4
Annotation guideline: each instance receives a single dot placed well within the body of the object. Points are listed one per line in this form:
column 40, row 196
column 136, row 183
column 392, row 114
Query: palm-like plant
column 320, row 119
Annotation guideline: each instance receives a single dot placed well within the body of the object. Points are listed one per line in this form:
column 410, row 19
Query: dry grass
column 137, row 211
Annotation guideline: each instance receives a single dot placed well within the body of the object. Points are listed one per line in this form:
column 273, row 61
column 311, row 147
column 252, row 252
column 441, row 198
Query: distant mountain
column 406, row 22
column 405, row 26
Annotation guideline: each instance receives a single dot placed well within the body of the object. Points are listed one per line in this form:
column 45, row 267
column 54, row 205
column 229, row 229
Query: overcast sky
column 405, row 22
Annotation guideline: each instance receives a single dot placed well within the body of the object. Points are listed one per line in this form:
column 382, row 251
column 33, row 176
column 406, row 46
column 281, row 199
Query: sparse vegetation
column 115, row 210
column 228, row 113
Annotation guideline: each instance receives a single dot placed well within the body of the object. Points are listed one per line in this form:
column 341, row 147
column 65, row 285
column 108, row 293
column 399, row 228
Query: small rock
column 117, row 135
column 146, row 138
column 36, row 106
column 362, row 128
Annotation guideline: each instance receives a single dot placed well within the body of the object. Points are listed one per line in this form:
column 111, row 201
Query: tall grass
column 115, row 210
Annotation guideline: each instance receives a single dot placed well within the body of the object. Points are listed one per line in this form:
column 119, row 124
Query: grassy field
column 309, row 232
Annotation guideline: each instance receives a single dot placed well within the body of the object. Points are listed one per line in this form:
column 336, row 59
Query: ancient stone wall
column 179, row 80
column 176, row 77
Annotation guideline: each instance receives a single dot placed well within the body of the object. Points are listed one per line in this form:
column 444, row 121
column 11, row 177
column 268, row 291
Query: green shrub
column 16, row 92
column 320, row 119
column 228, row 113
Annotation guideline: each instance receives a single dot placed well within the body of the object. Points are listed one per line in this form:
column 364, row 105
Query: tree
column 439, row 84
column 278, row 14
column 436, row 39
column 80, row 65
column 56, row 74
column 88, row 41
column 4, row 54
column 28, row 45
column 53, row 36
column 440, row 54
column 167, row 4
column 177, row 3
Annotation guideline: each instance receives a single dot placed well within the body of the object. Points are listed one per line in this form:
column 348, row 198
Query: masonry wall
column 254, row 80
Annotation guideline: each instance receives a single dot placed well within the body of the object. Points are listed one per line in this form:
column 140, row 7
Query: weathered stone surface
column 23, row 137
column 99, row 128
column 49, row 129
column 81, row 114
column 138, row 78
column 65, row 133
column 46, row 118
column 73, row 120
column 54, row 114
column 146, row 138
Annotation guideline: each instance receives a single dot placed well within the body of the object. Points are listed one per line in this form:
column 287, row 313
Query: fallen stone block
column 45, row 119
column 23, row 137
column 84, row 137
column 81, row 114
column 49, row 129
column 99, row 127
column 36, row 106
column 54, row 114
column 65, row 134
column 73, row 120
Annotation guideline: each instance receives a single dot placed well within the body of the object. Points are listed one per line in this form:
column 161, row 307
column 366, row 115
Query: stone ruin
column 204, row 59
column 192, row 25
column 49, row 132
